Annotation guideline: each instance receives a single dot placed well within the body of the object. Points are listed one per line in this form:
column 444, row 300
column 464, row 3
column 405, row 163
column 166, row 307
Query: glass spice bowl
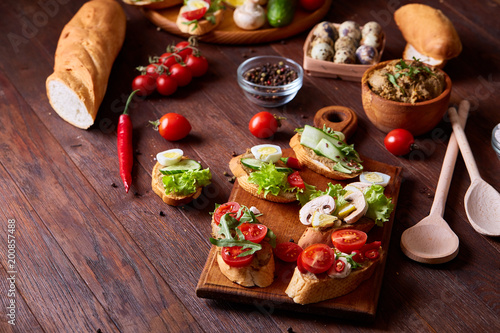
column 270, row 81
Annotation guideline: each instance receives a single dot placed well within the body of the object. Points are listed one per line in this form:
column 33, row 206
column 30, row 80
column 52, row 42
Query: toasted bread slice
column 201, row 27
column 308, row 158
column 314, row 235
column 310, row 288
column 171, row 199
column 242, row 176
column 259, row 273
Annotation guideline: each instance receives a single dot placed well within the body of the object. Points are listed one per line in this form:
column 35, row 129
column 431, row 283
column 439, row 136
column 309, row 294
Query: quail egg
column 322, row 51
column 169, row 157
column 373, row 177
column 350, row 29
column 267, row 153
column 366, row 55
column 344, row 57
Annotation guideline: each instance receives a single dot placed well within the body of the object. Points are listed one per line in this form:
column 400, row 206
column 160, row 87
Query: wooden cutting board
column 283, row 219
column 229, row 33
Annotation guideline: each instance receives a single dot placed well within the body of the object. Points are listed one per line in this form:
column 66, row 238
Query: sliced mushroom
column 355, row 196
column 314, row 236
column 324, row 204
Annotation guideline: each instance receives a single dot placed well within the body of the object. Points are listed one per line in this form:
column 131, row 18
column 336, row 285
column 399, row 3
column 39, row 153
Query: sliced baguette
column 170, row 198
column 310, row 288
column 153, row 4
column 309, row 159
column 259, row 273
column 85, row 53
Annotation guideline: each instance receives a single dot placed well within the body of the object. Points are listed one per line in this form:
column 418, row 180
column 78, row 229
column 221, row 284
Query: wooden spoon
column 431, row 240
column 482, row 201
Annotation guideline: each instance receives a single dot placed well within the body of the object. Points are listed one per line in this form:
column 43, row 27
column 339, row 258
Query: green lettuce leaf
column 185, row 183
column 269, row 180
column 379, row 206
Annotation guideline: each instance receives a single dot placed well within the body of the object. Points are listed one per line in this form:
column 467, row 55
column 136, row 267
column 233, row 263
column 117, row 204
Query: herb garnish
column 408, row 70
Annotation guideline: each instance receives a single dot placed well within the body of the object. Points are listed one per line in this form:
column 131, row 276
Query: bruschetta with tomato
column 324, row 272
column 198, row 17
column 262, row 172
column 244, row 246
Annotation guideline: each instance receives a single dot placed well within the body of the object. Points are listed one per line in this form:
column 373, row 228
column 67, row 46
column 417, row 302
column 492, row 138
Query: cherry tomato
column 291, row 162
column 399, row 142
column 197, row 65
column 228, row 207
column 317, row 258
column 181, row 74
column 166, row 85
column 230, row 256
column 194, row 14
column 187, row 51
column 253, row 232
column 167, row 59
column 153, row 70
column 295, row 180
column 348, row 240
column 287, row 251
column 311, row 5
column 145, row 84
column 263, row 125
column 173, row 126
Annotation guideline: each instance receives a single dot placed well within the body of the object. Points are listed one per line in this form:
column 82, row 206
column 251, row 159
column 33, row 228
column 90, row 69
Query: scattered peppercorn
column 162, row 213
column 114, row 185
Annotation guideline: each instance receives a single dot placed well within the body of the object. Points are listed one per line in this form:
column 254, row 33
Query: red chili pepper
column 124, row 143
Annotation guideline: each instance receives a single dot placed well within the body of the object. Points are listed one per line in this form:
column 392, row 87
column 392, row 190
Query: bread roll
column 85, row 53
column 429, row 31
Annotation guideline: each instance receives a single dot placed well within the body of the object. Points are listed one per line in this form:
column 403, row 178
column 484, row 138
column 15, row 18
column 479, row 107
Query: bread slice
column 410, row 52
column 171, row 199
column 308, row 158
column 310, row 288
column 259, row 273
column 85, row 53
column 242, row 176
column 202, row 27
column 152, row 4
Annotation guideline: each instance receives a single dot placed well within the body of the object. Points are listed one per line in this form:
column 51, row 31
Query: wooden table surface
column 91, row 258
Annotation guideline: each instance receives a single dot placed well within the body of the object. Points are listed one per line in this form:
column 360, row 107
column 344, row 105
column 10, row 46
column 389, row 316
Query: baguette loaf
column 309, row 159
column 429, row 32
column 242, row 176
column 310, row 288
column 259, row 273
column 85, row 53
column 171, row 199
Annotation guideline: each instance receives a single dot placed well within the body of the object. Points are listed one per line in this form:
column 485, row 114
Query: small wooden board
column 228, row 33
column 283, row 219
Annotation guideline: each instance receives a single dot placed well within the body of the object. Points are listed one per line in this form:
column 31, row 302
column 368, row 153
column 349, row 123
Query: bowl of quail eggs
column 343, row 50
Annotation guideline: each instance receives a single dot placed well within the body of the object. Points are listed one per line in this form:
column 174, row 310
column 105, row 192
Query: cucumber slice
column 311, row 136
column 252, row 163
column 327, row 149
column 182, row 166
column 255, row 164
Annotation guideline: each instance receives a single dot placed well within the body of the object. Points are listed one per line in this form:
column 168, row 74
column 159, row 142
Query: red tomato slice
column 288, row 251
column 230, row 256
column 348, row 240
column 317, row 258
column 228, row 207
column 195, row 14
column 295, row 180
column 253, row 232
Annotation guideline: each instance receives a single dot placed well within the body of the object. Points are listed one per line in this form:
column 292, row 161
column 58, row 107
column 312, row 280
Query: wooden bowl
column 418, row 118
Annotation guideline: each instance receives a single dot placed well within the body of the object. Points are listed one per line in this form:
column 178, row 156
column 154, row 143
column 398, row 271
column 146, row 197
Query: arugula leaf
column 224, row 242
column 186, row 182
column 349, row 259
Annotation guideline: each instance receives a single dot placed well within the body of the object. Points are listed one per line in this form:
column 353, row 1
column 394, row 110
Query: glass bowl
column 495, row 140
column 268, row 95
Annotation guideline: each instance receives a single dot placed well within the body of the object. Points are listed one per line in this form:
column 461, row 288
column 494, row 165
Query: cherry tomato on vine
column 172, row 126
column 166, row 85
column 153, row 70
column 145, row 84
column 264, row 124
column 228, row 207
column 181, row 45
column 287, row 251
column 311, row 5
column 399, row 142
column 167, row 59
column 197, row 64
column 181, row 74
column 230, row 256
